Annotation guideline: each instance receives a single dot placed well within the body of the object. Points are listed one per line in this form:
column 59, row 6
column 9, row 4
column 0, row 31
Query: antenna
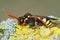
column 9, row 13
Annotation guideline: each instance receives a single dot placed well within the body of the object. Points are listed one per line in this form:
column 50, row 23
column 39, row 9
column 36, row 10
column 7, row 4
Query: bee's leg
column 25, row 21
column 43, row 22
column 55, row 23
column 36, row 24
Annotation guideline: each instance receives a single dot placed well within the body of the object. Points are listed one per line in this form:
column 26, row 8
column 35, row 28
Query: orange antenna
column 9, row 13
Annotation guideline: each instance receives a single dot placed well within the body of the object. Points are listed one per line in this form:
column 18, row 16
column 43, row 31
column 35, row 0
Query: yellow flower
column 19, row 27
column 59, row 31
column 24, row 32
column 44, row 31
column 55, row 30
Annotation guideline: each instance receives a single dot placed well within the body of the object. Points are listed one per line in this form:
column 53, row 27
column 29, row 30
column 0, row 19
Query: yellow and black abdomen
column 48, row 22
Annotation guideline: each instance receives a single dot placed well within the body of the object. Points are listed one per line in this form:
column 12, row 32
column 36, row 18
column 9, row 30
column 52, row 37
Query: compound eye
column 21, row 20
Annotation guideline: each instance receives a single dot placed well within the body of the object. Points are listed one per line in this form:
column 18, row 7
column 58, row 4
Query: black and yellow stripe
column 48, row 22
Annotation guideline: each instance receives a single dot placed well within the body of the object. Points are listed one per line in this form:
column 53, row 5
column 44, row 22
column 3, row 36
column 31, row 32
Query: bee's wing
column 52, row 17
column 49, row 17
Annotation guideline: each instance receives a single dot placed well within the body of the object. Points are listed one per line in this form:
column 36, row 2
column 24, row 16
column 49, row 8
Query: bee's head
column 27, row 15
column 21, row 20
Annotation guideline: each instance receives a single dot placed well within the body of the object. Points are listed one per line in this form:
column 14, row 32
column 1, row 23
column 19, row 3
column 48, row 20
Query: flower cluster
column 10, row 30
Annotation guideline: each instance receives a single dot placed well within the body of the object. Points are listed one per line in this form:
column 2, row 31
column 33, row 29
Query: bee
column 33, row 20
column 40, row 20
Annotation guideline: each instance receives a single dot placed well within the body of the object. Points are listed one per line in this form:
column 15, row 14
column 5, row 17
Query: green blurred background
column 39, row 7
